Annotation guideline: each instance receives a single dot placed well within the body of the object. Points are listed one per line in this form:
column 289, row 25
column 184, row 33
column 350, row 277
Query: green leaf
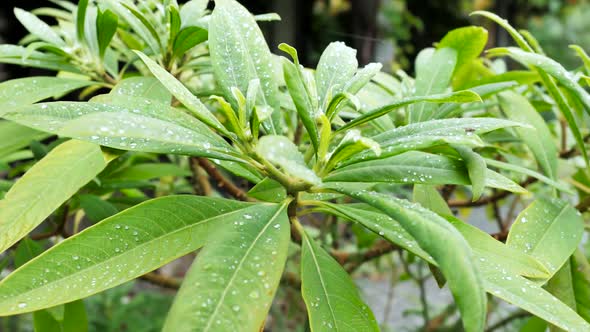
column 476, row 168
column 487, row 249
column 453, row 97
column 335, row 69
column 299, row 92
column 560, row 286
column 467, row 41
column 21, row 56
column 73, row 319
column 523, row 170
column 29, row 90
column 95, row 208
column 151, row 128
column 231, row 285
column 38, row 28
column 582, row 55
column 538, row 139
column 442, row 241
column 183, row 94
column 280, row 151
column 188, row 38
column 377, row 222
column 416, row 167
column 46, row 186
column 120, row 248
column 14, row 137
column 581, row 283
column 268, row 190
column 520, row 41
column 433, row 75
column 352, row 144
column 530, row 297
column 431, row 199
column 362, row 77
column 240, row 54
column 106, row 27
column 549, row 230
column 26, row 250
column 331, row 297
column 549, row 66
column 150, row 171
column 145, row 87
column 175, row 21
column 192, row 11
column 137, row 22
column 80, row 18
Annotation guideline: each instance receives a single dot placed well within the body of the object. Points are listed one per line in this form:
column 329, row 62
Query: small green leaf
column 582, row 55
column 280, row 151
column 549, row 230
column 192, row 11
column 188, row 38
column 80, row 18
column 430, row 198
column 522, row 170
column 26, row 250
column 331, row 297
column 232, row 282
column 21, row 56
column 268, row 190
column 149, row 171
column 240, row 54
column 299, row 92
column 581, row 283
column 476, row 168
column 95, row 208
column 29, row 90
column 183, row 94
column 433, row 75
column 120, row 248
column 442, row 241
column 175, row 22
column 352, row 144
column 539, row 138
column 106, row 27
column 464, row 96
column 38, row 28
column 46, row 186
column 467, row 41
column 335, row 69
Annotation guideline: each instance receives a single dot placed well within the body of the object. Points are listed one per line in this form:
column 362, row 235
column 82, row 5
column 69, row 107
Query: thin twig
column 222, row 182
column 161, row 280
column 199, row 179
column 515, row 315
column 353, row 262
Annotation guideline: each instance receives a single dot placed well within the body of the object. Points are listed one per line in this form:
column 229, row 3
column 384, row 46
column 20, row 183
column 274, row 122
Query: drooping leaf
column 240, row 54
column 487, row 249
column 442, row 241
column 29, row 90
column 416, row 167
column 549, row 230
column 331, row 297
column 433, row 76
column 476, row 168
column 539, row 139
column 14, row 137
column 523, row 170
column 38, row 28
column 376, row 221
column 150, row 128
column 183, row 94
column 453, row 97
column 232, row 282
column 336, row 68
column 120, row 248
column 551, row 67
column 47, row 185
column 280, row 151
column 21, row 56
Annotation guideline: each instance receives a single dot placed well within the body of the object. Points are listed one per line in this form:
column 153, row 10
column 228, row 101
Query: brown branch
column 354, row 261
column 161, row 280
column 489, row 199
column 223, row 183
column 516, row 315
column 199, row 179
